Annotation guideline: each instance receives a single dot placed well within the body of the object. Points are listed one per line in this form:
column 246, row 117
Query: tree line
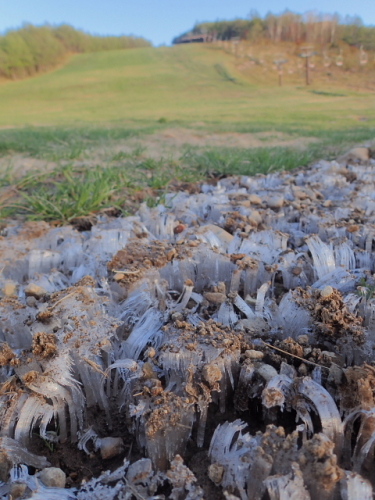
column 30, row 49
column 311, row 27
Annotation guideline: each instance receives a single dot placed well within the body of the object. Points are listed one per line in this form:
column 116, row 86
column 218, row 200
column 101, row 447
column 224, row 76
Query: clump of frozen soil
column 218, row 346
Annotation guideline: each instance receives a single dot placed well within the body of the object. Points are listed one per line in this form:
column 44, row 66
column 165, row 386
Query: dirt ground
column 170, row 141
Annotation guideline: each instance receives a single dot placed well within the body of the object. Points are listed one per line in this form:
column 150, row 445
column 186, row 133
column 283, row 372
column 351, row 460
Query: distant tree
column 31, row 49
column 16, row 55
column 312, row 28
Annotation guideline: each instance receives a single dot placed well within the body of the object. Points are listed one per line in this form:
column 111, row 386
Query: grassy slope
column 179, row 83
column 96, row 101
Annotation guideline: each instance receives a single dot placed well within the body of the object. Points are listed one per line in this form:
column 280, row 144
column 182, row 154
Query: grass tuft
column 67, row 193
column 231, row 161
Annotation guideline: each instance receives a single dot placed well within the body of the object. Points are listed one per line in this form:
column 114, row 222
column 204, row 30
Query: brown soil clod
column 44, row 345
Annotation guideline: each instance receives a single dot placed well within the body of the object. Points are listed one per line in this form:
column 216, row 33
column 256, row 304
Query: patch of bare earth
column 169, row 142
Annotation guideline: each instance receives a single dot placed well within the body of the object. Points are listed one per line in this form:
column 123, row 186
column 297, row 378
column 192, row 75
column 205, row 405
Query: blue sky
column 159, row 20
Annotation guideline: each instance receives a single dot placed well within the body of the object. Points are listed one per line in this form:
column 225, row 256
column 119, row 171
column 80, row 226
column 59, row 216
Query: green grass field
column 105, row 109
column 183, row 83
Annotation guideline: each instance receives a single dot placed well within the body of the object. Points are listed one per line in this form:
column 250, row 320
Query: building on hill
column 193, row 38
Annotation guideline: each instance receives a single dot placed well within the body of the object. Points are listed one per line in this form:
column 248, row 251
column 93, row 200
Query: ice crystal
column 251, row 300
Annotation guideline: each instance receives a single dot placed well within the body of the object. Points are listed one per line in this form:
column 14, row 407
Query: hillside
column 202, row 82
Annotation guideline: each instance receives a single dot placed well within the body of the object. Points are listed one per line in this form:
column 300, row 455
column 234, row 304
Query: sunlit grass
column 185, row 84
column 79, row 117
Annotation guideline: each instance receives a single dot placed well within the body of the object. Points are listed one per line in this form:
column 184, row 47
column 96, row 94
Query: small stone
column 31, row 301
column 150, row 352
column 353, row 228
column 10, row 289
column 297, row 270
column 303, row 340
column 148, row 371
column 215, row 297
column 254, row 199
column 177, row 316
column 111, row 447
column 139, row 471
column 327, row 203
column 219, row 232
column 299, row 194
column 178, row 229
column 266, row 371
column 245, row 203
column 17, row 490
column 336, row 374
column 362, row 154
column 253, row 325
column 326, row 292
column 255, row 216
column 329, row 354
column 211, row 373
column 32, row 290
column 53, row 477
column 252, row 223
column 171, row 254
column 215, row 473
column 119, row 276
column 310, row 193
column 253, row 354
column 275, row 202
column 302, row 370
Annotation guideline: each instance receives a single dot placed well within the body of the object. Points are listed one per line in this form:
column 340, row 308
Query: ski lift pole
column 307, row 71
column 278, row 63
column 306, row 54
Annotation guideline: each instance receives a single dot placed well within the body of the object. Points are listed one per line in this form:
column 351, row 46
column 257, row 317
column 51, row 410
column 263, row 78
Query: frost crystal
column 247, row 308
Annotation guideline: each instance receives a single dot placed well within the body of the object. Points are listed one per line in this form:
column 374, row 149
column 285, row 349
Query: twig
column 184, row 426
column 295, row 356
column 59, row 301
column 137, row 271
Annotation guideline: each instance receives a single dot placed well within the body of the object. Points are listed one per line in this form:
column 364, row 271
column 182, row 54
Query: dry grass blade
column 95, row 366
column 294, row 356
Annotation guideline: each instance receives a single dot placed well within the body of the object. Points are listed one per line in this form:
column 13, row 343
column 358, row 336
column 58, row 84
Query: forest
column 311, row 28
column 30, row 49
